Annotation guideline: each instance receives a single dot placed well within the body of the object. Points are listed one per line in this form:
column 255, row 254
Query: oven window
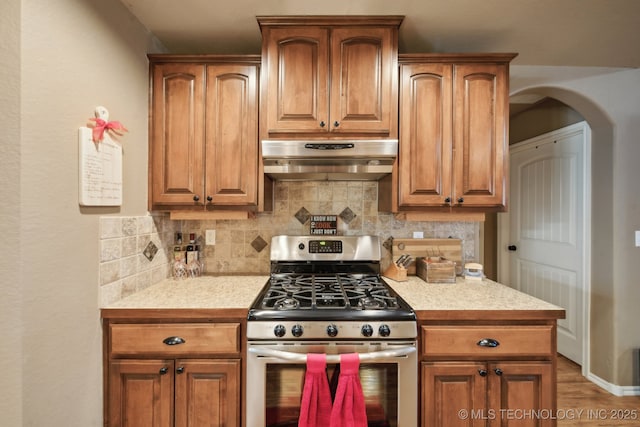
column 285, row 383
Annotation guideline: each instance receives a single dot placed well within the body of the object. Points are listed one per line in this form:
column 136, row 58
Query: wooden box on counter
column 436, row 269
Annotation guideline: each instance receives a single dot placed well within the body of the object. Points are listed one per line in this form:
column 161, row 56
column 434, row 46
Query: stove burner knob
column 301, row 246
column 367, row 330
column 332, row 330
column 279, row 331
column 297, row 331
column 384, row 331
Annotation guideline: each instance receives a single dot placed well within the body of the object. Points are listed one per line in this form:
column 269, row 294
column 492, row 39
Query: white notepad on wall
column 100, row 181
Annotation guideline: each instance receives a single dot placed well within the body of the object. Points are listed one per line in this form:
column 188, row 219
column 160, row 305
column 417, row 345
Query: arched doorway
column 599, row 317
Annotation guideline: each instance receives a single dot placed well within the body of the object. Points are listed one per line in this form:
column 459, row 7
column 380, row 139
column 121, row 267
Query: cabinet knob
column 180, row 370
column 163, row 370
column 447, row 200
column 460, row 199
column 336, row 124
column 482, row 372
column 196, row 198
column 498, row 371
column 512, row 248
column 322, row 124
column 209, row 199
column 173, row 340
column 488, row 342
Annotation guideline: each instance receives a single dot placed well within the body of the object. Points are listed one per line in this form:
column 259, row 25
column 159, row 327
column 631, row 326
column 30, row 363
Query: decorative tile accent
column 302, row 215
column 150, row 251
column 347, row 215
column 388, row 244
column 258, row 244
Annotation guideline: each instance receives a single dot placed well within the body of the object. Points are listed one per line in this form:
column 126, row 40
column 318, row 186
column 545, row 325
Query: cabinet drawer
column 457, row 341
column 179, row 339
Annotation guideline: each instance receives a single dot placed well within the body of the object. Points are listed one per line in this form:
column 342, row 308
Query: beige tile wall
column 233, row 252
column 124, row 269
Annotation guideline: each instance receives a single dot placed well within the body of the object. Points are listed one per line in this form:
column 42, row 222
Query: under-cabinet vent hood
column 325, row 160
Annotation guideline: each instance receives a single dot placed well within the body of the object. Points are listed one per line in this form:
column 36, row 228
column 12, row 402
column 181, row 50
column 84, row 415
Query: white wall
column 609, row 99
column 10, row 307
column 75, row 55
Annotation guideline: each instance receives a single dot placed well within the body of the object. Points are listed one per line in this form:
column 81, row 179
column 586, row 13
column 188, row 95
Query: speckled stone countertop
column 471, row 299
column 461, row 300
column 200, row 292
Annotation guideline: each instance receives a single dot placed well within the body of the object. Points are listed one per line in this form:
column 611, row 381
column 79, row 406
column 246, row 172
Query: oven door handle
column 332, row 358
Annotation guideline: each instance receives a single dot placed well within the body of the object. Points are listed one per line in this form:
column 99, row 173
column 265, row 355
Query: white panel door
column 547, row 227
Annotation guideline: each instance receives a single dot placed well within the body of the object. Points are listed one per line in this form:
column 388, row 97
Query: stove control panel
column 325, row 246
column 299, row 330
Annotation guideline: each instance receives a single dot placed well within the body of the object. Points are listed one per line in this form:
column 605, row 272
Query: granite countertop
column 217, row 292
column 476, row 298
column 461, row 300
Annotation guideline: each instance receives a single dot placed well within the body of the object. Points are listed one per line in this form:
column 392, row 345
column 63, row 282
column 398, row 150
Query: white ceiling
column 599, row 33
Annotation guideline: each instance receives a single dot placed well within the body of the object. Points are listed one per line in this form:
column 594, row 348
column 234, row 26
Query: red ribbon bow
column 101, row 126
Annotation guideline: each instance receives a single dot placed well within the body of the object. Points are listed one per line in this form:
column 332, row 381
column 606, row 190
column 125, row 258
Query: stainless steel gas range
column 327, row 296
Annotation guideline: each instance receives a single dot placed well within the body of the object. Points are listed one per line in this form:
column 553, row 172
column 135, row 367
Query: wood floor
column 582, row 403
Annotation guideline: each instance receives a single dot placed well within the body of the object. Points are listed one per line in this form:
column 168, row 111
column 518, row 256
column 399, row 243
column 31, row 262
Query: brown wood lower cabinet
column 173, row 375
column 474, row 393
column 174, row 393
column 492, row 375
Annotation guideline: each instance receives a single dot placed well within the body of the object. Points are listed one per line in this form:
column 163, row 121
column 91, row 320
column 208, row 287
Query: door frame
column 504, row 226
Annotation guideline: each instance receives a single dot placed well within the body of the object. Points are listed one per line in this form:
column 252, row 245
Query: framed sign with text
column 324, row 225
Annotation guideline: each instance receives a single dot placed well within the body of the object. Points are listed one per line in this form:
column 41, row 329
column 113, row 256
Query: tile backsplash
column 124, row 269
column 242, row 246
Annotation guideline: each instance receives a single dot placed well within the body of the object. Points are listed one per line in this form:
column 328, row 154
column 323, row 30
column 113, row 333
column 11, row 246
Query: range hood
column 322, row 160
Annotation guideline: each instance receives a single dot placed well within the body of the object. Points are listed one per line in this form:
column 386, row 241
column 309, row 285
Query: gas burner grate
column 292, row 291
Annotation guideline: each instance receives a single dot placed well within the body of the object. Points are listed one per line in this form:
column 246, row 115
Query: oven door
column 276, row 371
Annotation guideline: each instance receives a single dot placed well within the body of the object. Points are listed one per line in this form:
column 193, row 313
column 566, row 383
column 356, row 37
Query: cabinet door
column 522, row 394
column 480, row 135
column 364, row 79
column 424, row 163
column 297, row 95
column 207, row 393
column 231, row 135
column 140, row 393
column 176, row 145
column 448, row 389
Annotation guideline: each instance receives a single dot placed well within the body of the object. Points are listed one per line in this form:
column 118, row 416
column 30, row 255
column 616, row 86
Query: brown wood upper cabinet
column 329, row 76
column 453, row 150
column 203, row 145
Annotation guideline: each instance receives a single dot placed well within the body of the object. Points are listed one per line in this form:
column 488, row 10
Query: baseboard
column 616, row 390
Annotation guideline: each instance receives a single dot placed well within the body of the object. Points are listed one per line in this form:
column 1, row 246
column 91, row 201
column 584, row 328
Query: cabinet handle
column 498, row 371
column 173, row 340
column 180, row 370
column 512, row 248
column 336, row 124
column 209, row 199
column 322, row 124
column 447, row 200
column 482, row 372
column 196, row 198
column 163, row 370
column 488, row 342
column 460, row 199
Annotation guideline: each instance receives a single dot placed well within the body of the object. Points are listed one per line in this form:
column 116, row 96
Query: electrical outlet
column 210, row 237
column 418, row 234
